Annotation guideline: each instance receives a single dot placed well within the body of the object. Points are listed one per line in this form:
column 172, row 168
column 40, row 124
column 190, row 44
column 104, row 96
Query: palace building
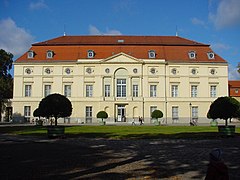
column 126, row 76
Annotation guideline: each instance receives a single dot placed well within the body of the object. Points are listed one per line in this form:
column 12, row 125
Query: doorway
column 121, row 113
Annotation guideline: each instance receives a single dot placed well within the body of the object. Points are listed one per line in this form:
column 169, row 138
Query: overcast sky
column 214, row 22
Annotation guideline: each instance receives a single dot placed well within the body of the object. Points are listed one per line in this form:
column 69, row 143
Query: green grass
column 123, row 132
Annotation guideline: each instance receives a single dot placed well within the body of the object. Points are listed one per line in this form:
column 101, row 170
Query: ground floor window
column 88, row 114
column 175, row 113
column 27, row 112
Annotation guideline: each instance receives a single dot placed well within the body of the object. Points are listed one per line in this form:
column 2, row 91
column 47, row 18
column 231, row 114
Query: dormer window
column 210, row 55
column 49, row 54
column 192, row 55
column 30, row 54
column 151, row 54
column 90, row 54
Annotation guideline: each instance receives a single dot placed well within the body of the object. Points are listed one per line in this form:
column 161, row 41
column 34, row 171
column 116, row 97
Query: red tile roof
column 71, row 48
column 234, row 88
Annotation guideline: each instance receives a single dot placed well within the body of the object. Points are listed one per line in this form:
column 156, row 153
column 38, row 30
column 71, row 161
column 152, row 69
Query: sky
column 214, row 22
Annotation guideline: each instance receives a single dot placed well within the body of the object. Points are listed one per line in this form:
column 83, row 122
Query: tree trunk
column 55, row 121
column 226, row 122
column 0, row 110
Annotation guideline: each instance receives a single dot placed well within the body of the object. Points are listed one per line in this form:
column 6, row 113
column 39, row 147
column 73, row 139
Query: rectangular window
column 135, row 91
column 193, row 91
column 89, row 90
column 67, row 90
column 152, row 108
column 121, row 87
column 175, row 112
column 28, row 90
column 27, row 111
column 174, row 90
column 213, row 91
column 107, row 91
column 153, row 90
column 47, row 90
column 195, row 112
column 88, row 114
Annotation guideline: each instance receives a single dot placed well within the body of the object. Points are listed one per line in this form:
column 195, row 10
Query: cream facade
column 125, row 86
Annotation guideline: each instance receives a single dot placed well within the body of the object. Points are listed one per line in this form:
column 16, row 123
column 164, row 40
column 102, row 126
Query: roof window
column 192, row 55
column 151, row 54
column 210, row 55
column 50, row 54
column 30, row 54
column 90, row 54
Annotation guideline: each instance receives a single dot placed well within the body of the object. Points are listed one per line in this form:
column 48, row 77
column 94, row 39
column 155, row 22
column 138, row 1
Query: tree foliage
column 6, row 81
column 102, row 115
column 157, row 114
column 55, row 105
column 224, row 108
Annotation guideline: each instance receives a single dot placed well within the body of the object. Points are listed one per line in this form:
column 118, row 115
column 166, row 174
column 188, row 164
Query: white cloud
column 199, row 22
column 220, row 46
column 227, row 14
column 14, row 39
column 37, row 5
column 233, row 73
column 95, row 31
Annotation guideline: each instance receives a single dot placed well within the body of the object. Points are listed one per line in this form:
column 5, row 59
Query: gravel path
column 86, row 158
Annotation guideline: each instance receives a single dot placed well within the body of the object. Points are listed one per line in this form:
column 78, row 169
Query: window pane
column 67, row 90
column 174, row 90
column 195, row 112
column 107, row 91
column 194, row 91
column 135, row 90
column 153, row 90
column 28, row 90
column 213, row 91
column 47, row 90
column 89, row 90
column 27, row 111
column 175, row 112
column 121, row 88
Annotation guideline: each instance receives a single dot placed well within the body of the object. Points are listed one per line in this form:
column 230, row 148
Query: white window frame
column 89, row 90
column 192, row 55
column 30, row 54
column 135, row 90
column 175, row 112
column 47, row 89
column 88, row 113
column 213, row 91
column 90, row 54
column 194, row 112
column 174, row 90
column 49, row 54
column 107, row 90
column 151, row 54
column 194, row 90
column 27, row 111
column 121, row 88
column 67, row 90
column 209, row 55
column 153, row 90
column 28, row 90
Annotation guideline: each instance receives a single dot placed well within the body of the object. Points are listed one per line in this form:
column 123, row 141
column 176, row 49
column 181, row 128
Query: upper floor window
column 89, row 90
column 153, row 90
column 121, row 88
column 151, row 54
column 67, row 90
column 210, row 55
column 28, row 90
column 107, row 90
column 30, row 54
column 236, row 91
column 192, row 55
column 213, row 91
column 50, row 54
column 47, row 90
column 174, row 90
column 193, row 91
column 135, row 91
column 90, row 54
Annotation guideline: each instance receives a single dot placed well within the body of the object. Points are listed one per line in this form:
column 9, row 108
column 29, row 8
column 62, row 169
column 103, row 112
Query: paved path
column 85, row 158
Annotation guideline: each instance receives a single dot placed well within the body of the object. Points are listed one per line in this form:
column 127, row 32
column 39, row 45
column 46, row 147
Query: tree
column 157, row 114
column 102, row 115
column 6, row 81
column 55, row 105
column 224, row 108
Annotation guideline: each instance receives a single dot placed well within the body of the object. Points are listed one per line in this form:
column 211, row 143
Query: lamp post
column 190, row 105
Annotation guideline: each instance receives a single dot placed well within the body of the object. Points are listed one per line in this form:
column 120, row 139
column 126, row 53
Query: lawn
column 123, row 132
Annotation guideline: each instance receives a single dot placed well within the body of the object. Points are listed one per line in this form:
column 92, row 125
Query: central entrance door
column 121, row 113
